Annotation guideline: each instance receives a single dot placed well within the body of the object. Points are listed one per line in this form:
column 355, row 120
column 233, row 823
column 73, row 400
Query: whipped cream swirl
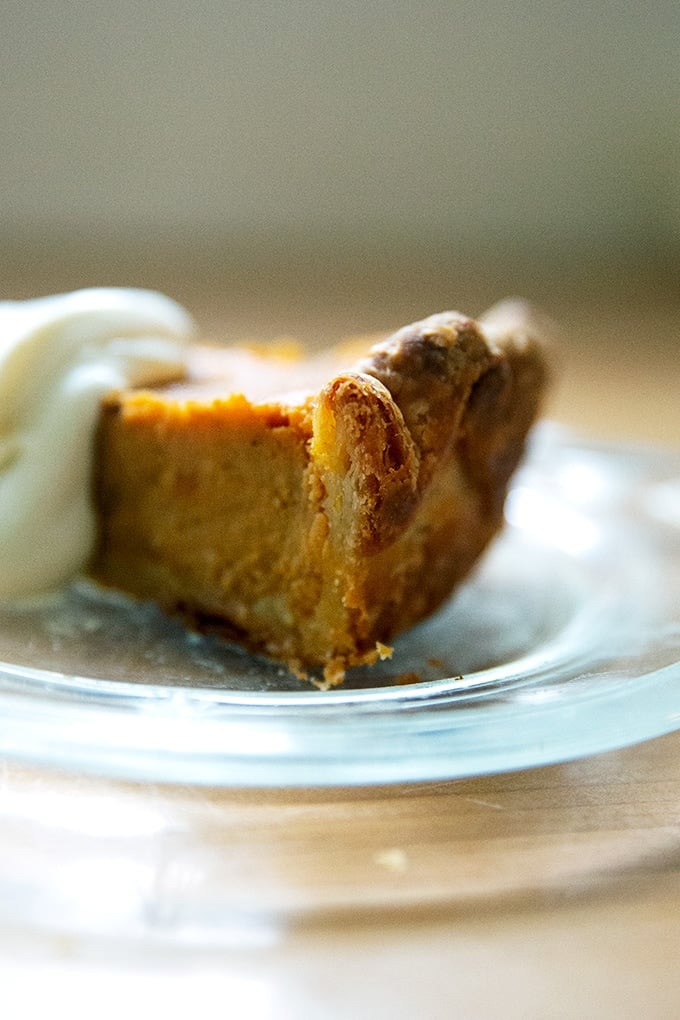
column 59, row 356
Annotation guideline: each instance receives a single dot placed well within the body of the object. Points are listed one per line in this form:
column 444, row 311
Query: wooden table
column 552, row 892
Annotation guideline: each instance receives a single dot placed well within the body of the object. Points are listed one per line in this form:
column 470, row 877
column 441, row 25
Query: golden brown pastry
column 313, row 509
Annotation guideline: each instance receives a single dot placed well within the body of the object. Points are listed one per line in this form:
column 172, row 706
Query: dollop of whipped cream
column 59, row 355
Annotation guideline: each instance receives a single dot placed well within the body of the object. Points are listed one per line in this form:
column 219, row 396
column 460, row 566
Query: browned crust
column 432, row 385
column 361, row 439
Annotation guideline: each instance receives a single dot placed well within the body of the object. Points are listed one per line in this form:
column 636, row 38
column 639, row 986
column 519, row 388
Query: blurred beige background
column 322, row 168
column 530, row 123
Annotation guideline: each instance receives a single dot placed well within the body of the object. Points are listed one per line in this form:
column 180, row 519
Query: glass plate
column 566, row 642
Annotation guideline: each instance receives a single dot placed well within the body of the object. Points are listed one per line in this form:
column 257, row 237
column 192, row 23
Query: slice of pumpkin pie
column 313, row 509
